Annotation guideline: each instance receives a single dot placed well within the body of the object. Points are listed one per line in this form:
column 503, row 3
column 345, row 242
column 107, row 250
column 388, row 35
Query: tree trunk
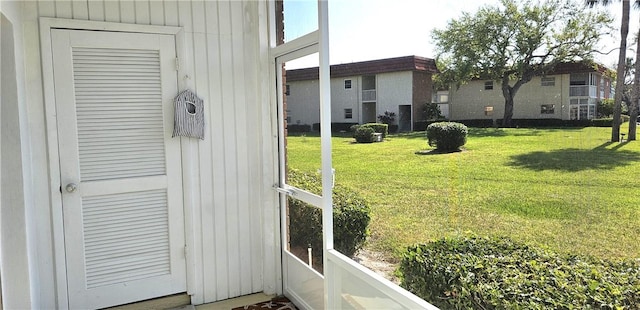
column 635, row 96
column 508, row 111
column 617, row 107
column 509, row 92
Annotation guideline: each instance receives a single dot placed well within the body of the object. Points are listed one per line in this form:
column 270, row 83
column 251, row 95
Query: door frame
column 317, row 40
column 188, row 149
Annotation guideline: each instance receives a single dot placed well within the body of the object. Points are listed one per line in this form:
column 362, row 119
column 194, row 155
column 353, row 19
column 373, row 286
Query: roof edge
column 396, row 64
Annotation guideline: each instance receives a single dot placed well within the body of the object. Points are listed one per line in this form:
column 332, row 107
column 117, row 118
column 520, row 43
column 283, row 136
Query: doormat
column 278, row 303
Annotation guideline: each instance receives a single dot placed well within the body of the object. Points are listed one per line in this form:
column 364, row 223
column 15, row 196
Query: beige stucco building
column 570, row 92
column 362, row 91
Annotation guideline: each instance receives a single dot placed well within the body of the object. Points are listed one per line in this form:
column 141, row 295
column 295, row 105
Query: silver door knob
column 71, row 187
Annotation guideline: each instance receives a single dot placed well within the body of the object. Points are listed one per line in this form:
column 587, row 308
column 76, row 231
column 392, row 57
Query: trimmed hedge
column 335, row 127
column 538, row 123
column 379, row 128
column 364, row 134
column 498, row 273
column 421, row 125
column 447, row 136
column 298, row 127
column 351, row 217
column 338, row 127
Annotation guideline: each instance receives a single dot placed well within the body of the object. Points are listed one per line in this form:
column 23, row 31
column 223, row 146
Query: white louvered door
column 119, row 167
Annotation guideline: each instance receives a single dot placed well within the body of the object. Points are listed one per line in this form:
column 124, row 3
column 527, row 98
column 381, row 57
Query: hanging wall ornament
column 189, row 115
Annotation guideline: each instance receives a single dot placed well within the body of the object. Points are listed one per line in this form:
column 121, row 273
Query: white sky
column 373, row 29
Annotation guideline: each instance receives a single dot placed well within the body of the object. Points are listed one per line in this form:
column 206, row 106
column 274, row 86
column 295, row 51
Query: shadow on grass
column 411, row 135
column 473, row 132
column 435, row 152
column 573, row 160
column 500, row 132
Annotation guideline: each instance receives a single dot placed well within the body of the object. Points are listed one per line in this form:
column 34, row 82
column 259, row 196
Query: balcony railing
column 582, row 91
column 369, row 95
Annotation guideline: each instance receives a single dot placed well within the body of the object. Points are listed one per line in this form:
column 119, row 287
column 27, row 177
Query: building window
column 548, row 81
column 548, row 109
column 582, row 108
column 347, row 84
column 348, row 113
column 443, row 98
column 287, row 90
column 488, row 85
column 488, row 110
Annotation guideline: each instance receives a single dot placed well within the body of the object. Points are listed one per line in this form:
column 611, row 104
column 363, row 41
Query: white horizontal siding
column 226, row 169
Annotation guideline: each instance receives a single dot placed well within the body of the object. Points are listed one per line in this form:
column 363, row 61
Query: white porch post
column 325, row 134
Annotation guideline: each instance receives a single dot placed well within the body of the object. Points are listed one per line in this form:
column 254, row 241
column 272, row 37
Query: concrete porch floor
column 182, row 302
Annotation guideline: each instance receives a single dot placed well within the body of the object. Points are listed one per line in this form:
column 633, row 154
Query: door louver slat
column 133, row 255
column 118, row 95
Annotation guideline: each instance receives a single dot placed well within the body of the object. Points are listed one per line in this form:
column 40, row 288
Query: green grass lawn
column 568, row 189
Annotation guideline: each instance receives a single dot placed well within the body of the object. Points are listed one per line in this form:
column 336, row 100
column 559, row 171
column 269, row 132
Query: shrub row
column 498, row 273
column 351, row 216
column 422, row 125
column 534, row 123
column 335, row 127
column 447, row 136
column 298, row 128
column 481, row 123
column 362, row 135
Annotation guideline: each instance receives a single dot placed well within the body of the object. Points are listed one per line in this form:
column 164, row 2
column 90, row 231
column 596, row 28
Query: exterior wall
column 232, row 215
column 393, row 89
column 564, row 91
column 342, row 98
column 469, row 101
column 422, row 89
column 303, row 102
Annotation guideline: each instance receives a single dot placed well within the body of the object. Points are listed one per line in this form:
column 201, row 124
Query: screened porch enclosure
column 337, row 282
column 226, row 206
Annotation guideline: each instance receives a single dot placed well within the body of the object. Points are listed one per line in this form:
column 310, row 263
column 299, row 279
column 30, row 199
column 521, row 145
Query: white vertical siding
column 227, row 168
column 80, row 9
column 96, row 10
column 112, row 11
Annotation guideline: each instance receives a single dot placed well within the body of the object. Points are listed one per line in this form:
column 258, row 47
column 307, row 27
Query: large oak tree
column 512, row 42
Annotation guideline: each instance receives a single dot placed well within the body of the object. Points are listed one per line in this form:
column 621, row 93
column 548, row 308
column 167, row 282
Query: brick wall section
column 422, row 88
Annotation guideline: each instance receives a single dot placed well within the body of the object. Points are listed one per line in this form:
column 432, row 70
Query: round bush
column 447, row 136
column 350, row 217
column 364, row 134
column 379, row 128
column 498, row 273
